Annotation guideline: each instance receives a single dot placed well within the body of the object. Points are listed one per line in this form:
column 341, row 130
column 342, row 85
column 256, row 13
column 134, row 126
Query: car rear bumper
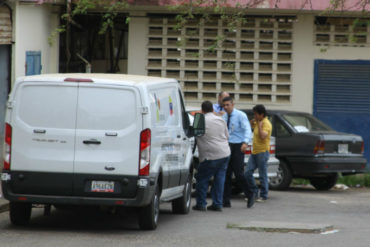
column 144, row 194
column 317, row 165
column 272, row 167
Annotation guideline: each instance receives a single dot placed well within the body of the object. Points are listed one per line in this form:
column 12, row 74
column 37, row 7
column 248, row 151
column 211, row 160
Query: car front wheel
column 283, row 179
column 324, row 183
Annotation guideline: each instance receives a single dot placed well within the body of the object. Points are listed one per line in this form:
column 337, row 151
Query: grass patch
column 358, row 180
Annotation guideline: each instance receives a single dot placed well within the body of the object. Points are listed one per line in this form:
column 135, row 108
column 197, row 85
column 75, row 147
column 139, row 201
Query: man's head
column 259, row 112
column 228, row 104
column 207, row 107
column 221, row 96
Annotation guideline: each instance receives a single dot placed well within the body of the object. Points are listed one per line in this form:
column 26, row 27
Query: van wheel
column 182, row 205
column 148, row 215
column 20, row 213
column 325, row 183
column 283, row 179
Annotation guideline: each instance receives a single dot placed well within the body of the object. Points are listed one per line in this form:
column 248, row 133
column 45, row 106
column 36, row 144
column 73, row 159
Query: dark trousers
column 236, row 166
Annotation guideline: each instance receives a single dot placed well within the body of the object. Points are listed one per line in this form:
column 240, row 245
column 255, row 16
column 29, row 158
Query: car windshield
column 305, row 123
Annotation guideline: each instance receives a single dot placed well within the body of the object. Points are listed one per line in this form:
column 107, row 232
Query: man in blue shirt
column 217, row 108
column 239, row 135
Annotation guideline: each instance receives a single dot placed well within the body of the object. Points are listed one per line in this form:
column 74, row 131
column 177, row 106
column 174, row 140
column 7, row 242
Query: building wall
column 304, row 52
column 33, row 24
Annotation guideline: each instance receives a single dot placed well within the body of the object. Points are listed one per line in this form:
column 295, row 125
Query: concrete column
column 137, row 41
column 302, row 66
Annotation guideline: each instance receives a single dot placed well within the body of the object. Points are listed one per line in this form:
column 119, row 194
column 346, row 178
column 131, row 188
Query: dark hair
column 207, row 106
column 260, row 109
column 228, row 99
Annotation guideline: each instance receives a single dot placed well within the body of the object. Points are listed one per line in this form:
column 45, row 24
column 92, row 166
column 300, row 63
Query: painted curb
column 282, row 227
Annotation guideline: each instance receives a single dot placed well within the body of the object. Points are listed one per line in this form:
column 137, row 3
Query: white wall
column 32, row 26
column 304, row 55
column 137, row 38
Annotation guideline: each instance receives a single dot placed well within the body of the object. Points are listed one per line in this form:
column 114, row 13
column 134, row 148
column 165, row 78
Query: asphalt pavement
column 343, row 214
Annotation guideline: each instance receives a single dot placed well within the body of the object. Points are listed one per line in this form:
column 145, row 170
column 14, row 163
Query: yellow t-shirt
column 261, row 145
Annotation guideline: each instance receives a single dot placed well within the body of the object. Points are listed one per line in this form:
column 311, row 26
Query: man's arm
column 246, row 128
column 262, row 132
column 247, row 131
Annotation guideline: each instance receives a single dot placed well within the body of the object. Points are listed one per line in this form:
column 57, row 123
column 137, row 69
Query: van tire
column 148, row 215
column 20, row 213
column 182, row 205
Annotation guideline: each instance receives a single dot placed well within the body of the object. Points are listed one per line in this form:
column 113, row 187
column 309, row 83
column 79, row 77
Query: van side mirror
column 199, row 125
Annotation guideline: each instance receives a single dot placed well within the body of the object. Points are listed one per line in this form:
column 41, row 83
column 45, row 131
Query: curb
column 282, row 227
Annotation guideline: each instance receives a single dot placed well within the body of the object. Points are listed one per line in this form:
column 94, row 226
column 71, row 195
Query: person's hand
column 253, row 122
column 260, row 124
column 243, row 148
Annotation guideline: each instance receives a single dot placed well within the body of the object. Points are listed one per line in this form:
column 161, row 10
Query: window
column 281, row 130
column 185, row 116
column 305, row 123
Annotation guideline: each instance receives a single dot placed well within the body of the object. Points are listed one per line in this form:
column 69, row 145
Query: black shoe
column 213, row 208
column 199, row 208
column 227, row 205
column 251, row 201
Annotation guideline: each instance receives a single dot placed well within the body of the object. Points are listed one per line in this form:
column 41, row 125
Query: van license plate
column 343, row 148
column 102, row 186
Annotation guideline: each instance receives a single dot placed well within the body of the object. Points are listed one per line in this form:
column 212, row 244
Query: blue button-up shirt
column 239, row 127
column 217, row 108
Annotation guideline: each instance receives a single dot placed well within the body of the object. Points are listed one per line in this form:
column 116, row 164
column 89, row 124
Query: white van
column 97, row 139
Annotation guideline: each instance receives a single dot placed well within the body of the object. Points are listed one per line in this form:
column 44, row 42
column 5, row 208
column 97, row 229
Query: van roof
column 99, row 78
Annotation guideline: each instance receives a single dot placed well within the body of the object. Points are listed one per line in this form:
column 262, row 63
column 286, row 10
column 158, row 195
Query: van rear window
column 102, row 108
column 49, row 106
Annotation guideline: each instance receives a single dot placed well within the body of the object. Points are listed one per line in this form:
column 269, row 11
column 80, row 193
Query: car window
column 281, row 130
column 305, row 123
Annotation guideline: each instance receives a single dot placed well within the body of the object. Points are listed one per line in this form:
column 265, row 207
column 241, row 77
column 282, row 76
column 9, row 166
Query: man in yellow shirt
column 260, row 153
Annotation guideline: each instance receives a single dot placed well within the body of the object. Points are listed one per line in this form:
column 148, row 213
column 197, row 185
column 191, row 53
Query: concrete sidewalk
column 4, row 204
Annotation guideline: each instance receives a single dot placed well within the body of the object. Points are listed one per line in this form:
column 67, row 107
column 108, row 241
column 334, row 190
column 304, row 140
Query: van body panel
column 165, row 123
column 43, row 123
column 113, row 121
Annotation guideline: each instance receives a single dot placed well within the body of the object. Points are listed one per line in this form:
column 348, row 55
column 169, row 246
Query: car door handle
column 92, row 141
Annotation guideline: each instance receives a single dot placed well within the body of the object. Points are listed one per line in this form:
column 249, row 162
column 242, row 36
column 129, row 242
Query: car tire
column 324, row 183
column 20, row 213
column 182, row 205
column 148, row 215
column 283, row 179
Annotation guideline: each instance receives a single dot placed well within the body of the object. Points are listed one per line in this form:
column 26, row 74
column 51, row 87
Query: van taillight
column 7, row 146
column 144, row 156
column 248, row 150
column 362, row 147
column 272, row 149
column 319, row 148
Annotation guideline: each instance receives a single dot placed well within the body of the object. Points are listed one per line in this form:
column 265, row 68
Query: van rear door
column 43, row 121
column 109, row 122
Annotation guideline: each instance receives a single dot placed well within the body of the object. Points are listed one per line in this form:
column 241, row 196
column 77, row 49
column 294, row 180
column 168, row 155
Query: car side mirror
column 199, row 125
